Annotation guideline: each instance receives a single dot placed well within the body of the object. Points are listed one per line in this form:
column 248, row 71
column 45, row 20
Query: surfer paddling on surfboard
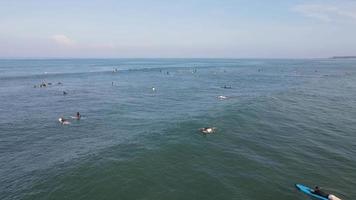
column 319, row 192
column 207, row 130
column 63, row 121
column 316, row 193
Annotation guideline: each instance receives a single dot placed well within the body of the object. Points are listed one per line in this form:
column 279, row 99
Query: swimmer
column 65, row 93
column 207, row 130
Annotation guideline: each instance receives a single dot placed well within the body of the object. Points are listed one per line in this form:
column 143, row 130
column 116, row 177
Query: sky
column 177, row 29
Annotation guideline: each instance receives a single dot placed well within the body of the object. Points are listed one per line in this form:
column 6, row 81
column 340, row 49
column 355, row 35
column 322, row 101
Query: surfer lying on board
column 207, row 130
column 227, row 87
column 63, row 121
column 319, row 192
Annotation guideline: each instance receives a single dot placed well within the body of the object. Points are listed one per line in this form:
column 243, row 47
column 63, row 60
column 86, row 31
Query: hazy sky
column 172, row 28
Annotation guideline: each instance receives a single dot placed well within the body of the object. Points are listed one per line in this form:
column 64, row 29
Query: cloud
column 63, row 40
column 329, row 12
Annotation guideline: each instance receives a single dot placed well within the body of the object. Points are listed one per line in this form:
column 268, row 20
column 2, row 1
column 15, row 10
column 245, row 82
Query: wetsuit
column 321, row 193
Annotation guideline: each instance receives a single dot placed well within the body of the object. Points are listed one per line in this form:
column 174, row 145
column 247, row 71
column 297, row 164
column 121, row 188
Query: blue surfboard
column 309, row 191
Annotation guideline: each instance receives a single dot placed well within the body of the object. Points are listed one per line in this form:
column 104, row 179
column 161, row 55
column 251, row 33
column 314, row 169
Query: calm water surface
column 285, row 122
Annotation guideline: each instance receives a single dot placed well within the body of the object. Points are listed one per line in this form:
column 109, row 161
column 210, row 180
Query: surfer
column 63, row 121
column 221, row 97
column 78, row 116
column 319, row 192
column 207, row 130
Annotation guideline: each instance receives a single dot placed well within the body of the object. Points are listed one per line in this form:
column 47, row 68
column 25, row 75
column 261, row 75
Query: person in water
column 62, row 120
column 319, row 192
column 207, row 130
column 227, row 87
column 78, row 116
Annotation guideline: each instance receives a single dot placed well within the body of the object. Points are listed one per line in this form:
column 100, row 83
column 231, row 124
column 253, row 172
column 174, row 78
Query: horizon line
column 227, row 58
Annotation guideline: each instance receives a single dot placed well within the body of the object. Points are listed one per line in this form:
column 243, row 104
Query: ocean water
column 284, row 122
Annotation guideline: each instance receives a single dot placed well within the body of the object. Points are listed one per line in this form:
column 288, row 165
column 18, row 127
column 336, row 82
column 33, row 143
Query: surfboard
column 221, row 97
column 309, row 192
column 75, row 117
column 64, row 123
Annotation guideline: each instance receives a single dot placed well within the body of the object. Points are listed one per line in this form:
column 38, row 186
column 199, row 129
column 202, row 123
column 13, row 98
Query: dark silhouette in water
column 319, row 192
column 78, row 116
column 65, row 93
column 227, row 87
column 207, row 130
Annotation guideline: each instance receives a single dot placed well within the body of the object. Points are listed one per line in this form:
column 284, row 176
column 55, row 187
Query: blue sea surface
column 283, row 122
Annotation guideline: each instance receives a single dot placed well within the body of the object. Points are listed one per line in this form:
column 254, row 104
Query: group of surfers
column 62, row 120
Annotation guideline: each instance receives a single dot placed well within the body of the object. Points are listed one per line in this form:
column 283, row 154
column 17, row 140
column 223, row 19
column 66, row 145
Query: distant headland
column 343, row 57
